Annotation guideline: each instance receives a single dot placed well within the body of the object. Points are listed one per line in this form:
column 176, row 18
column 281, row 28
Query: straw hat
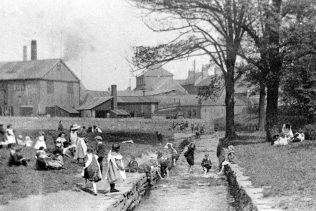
column 98, row 138
column 75, row 127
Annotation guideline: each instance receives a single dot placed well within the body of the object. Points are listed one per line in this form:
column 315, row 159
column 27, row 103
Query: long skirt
column 92, row 172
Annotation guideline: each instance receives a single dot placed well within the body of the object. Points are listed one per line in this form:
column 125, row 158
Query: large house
column 156, row 81
column 38, row 87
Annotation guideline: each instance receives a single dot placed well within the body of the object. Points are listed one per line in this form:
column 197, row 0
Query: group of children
column 287, row 136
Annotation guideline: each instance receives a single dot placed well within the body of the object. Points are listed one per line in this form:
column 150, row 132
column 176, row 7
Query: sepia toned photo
column 158, row 105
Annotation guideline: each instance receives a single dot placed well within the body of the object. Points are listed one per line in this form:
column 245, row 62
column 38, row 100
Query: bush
column 310, row 132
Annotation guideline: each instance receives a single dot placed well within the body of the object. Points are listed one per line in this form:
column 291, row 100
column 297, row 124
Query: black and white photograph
column 158, row 105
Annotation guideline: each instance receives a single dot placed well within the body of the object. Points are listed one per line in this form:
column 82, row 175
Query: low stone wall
column 108, row 124
column 247, row 197
column 130, row 199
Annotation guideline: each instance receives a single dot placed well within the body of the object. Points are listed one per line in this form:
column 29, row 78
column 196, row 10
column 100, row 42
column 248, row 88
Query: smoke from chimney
column 24, row 53
column 33, row 50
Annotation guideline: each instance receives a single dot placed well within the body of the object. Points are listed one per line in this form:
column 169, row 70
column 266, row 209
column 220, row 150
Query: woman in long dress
column 81, row 149
column 91, row 170
column 115, row 170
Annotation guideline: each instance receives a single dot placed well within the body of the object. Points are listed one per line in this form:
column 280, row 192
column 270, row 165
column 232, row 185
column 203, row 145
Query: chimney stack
column 24, row 53
column 114, row 95
column 33, row 50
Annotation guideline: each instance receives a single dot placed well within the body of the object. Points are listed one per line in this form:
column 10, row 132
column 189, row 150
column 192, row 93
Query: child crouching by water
column 91, row 170
column 115, row 170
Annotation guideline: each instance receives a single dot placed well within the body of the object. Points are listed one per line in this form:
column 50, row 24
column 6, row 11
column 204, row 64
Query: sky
column 94, row 37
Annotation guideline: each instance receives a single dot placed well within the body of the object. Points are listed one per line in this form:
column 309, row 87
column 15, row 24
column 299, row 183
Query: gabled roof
column 70, row 110
column 168, row 84
column 23, row 70
column 136, row 99
column 93, row 102
column 156, row 70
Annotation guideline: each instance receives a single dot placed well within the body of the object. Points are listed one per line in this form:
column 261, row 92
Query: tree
column 205, row 27
column 273, row 40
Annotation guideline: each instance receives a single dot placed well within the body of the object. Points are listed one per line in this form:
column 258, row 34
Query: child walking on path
column 189, row 154
column 206, row 163
column 91, row 170
column 115, row 169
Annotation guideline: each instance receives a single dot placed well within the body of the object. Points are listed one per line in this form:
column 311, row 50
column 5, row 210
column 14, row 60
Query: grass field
column 287, row 172
column 17, row 182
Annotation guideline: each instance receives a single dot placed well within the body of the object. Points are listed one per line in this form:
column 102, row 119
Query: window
column 50, row 87
column 194, row 113
column 189, row 113
column 70, row 88
column 20, row 86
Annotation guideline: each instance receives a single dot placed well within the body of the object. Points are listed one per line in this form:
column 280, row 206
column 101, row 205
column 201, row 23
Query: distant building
column 31, row 88
column 189, row 84
column 156, row 80
column 118, row 106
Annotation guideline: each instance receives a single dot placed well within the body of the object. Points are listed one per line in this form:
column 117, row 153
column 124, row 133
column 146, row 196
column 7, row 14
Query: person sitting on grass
column 16, row 158
column 59, row 144
column 91, row 170
column 206, row 163
column 41, row 159
column 189, row 155
column 299, row 136
column 115, row 170
column 57, row 161
column 229, row 158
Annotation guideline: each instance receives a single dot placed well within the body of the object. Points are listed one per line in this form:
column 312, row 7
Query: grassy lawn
column 17, row 182
column 287, row 172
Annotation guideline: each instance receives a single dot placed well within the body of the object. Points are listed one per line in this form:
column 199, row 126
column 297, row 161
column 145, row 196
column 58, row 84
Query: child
column 172, row 153
column 189, row 154
column 299, row 136
column 10, row 136
column 59, row 145
column 101, row 150
column 41, row 141
column 91, row 170
column 116, row 168
column 16, row 158
column 206, row 164
column 81, row 149
column 164, row 163
column 57, row 161
column 41, row 159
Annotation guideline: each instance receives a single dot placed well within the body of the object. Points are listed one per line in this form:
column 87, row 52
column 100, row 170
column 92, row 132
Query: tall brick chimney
column 114, row 95
column 33, row 50
column 24, row 53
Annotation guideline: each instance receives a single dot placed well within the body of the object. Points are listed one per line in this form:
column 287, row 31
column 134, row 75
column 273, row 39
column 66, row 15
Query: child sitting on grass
column 57, row 160
column 206, row 164
column 16, row 158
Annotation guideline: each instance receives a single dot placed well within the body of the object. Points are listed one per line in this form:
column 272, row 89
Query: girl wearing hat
column 41, row 141
column 116, row 168
column 91, row 170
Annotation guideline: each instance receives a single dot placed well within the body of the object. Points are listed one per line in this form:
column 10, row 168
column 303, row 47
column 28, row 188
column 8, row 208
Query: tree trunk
column 272, row 108
column 262, row 99
column 275, row 65
column 229, row 103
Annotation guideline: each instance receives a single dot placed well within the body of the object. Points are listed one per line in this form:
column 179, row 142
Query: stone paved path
column 184, row 191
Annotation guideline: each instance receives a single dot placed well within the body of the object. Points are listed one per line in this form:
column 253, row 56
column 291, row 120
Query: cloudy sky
column 94, row 37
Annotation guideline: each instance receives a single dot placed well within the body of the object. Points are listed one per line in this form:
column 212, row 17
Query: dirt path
column 184, row 191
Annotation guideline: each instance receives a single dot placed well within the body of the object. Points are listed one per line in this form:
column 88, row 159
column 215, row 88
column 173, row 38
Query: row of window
column 51, row 88
column 20, row 86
